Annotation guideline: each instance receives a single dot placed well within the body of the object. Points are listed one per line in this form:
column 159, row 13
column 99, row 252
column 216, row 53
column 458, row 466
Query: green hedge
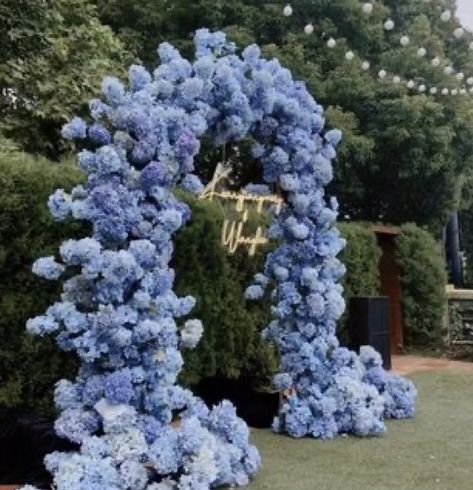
column 231, row 345
column 29, row 367
column 361, row 258
column 423, row 278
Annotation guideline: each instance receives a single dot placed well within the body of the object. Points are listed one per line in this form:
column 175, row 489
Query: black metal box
column 369, row 325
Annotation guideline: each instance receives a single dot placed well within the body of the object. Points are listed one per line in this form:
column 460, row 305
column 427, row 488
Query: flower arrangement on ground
column 137, row 429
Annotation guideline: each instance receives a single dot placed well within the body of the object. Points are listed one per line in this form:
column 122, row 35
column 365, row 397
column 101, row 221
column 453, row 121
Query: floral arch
column 137, row 428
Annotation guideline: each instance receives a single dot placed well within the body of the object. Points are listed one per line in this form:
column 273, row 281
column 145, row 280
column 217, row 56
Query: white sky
column 465, row 12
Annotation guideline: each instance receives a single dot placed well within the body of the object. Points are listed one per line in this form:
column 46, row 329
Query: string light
column 331, row 43
column 446, row 15
column 287, row 10
column 389, row 25
column 367, row 8
column 405, row 41
column 421, row 52
column 309, row 29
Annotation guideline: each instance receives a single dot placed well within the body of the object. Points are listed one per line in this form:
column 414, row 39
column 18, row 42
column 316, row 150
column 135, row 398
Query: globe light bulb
column 454, row 91
column 445, row 91
column 396, row 79
column 389, row 25
column 421, row 88
column 448, row 70
column 433, row 90
column 365, row 65
column 469, row 81
column 367, row 8
column 410, row 84
column 458, row 32
column 309, row 29
column 435, row 61
column 331, row 43
column 421, row 52
column 287, row 10
column 446, row 15
column 460, row 76
column 405, row 41
column 349, row 55
column 382, row 74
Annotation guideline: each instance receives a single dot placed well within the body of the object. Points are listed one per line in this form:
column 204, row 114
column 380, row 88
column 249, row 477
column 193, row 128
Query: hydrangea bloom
column 118, row 310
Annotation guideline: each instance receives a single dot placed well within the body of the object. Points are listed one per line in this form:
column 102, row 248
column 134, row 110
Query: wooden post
column 391, row 282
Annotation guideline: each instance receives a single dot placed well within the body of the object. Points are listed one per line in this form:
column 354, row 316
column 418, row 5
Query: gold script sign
column 233, row 232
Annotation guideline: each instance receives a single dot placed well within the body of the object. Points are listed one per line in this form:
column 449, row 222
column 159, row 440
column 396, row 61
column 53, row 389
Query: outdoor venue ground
column 434, row 451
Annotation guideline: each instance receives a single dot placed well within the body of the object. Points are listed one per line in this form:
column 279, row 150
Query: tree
column 53, row 56
column 396, row 143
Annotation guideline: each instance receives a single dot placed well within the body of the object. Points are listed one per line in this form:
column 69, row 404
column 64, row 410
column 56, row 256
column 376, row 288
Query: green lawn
column 434, row 451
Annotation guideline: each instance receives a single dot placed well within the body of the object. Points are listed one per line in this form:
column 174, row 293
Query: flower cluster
column 118, row 311
column 135, row 426
column 332, row 390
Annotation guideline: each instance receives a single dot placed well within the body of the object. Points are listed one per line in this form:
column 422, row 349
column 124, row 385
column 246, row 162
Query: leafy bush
column 231, row 345
column 29, row 367
column 423, row 279
column 361, row 258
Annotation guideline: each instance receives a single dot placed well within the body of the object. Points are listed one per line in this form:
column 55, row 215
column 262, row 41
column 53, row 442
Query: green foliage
column 53, row 56
column 231, row 345
column 361, row 257
column 396, row 143
column 29, row 367
column 423, row 280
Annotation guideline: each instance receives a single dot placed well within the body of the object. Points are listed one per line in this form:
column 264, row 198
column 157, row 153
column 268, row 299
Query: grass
column 434, row 451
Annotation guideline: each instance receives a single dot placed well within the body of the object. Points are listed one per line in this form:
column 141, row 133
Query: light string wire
column 420, row 85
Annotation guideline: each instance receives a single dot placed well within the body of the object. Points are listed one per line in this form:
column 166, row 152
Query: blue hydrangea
column 99, row 134
column 191, row 183
column 75, row 129
column 191, row 334
column 59, row 205
column 118, row 310
column 254, row 292
column 48, row 268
